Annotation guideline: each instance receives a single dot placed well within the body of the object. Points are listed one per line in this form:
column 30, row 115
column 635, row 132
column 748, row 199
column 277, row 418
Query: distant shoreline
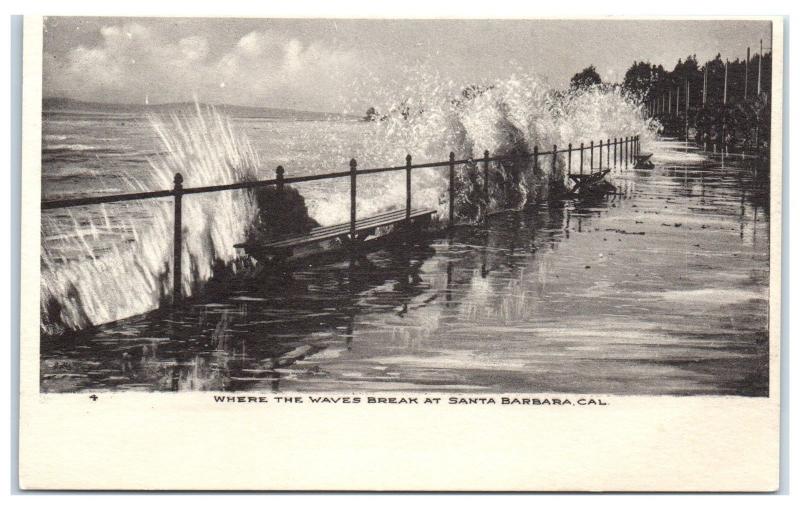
column 67, row 105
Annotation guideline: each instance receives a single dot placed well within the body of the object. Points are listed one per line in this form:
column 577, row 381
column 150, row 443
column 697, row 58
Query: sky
column 342, row 64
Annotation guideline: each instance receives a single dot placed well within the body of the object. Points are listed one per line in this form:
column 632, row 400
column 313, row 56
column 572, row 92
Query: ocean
column 660, row 288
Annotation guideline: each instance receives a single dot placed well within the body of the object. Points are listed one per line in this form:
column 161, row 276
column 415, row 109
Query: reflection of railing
column 624, row 150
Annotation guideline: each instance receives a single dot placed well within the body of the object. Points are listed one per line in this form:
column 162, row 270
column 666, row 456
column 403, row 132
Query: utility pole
column 669, row 102
column 705, row 83
column 725, row 89
column 746, row 68
column 687, row 110
column 760, row 57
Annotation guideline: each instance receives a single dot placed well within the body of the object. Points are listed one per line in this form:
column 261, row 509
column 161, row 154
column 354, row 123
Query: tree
column 585, row 78
column 641, row 79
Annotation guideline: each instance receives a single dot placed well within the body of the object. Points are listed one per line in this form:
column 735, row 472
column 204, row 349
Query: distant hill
column 63, row 105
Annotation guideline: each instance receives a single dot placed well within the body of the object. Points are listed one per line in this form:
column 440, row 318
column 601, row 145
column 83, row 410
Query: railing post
column 591, row 155
column 535, row 157
column 555, row 154
column 486, row 174
column 569, row 158
column 177, row 241
column 353, row 167
column 627, row 155
column 408, row 187
column 581, row 158
column 608, row 152
column 452, row 189
column 279, row 178
column 615, row 152
column 600, row 166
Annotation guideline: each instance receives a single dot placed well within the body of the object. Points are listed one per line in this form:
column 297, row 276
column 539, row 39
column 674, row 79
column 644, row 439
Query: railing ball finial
column 353, row 163
column 178, row 179
column 408, row 159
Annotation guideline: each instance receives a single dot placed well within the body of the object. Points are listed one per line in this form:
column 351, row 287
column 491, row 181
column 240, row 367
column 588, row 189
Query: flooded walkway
column 661, row 289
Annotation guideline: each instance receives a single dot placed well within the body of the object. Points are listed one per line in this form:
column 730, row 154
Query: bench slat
column 344, row 228
column 379, row 217
column 390, row 216
column 324, row 233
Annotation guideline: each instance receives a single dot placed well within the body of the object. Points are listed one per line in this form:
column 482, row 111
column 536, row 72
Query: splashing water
column 506, row 118
column 103, row 263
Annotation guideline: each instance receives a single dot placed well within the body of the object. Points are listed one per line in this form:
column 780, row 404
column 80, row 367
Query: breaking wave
column 104, row 263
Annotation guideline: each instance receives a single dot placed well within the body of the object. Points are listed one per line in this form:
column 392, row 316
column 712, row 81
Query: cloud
column 262, row 68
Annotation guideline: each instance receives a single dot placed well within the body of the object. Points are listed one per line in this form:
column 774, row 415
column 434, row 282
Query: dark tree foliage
column 642, row 77
column 695, row 95
column 585, row 78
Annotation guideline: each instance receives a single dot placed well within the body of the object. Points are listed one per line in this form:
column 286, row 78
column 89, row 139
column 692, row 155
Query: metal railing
column 624, row 152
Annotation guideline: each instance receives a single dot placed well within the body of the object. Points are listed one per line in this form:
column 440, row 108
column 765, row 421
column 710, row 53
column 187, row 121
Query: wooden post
column 408, row 187
column 279, row 178
column 452, row 188
column 486, row 174
column 581, row 158
column 555, row 155
column 591, row 155
column 353, row 167
column 615, row 152
column 535, row 158
column 608, row 152
column 569, row 158
column 177, row 241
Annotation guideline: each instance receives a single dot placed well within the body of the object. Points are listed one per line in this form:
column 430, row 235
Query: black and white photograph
column 362, row 205
column 338, row 251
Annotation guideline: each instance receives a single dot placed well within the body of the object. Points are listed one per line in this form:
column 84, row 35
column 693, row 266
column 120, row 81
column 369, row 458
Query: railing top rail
column 104, row 199
column 126, row 197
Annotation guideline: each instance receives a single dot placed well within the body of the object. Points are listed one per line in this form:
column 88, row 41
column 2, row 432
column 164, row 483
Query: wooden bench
column 364, row 227
column 643, row 161
column 584, row 183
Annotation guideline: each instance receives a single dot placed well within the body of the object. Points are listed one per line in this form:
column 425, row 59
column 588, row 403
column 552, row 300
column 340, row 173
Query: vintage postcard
column 401, row 254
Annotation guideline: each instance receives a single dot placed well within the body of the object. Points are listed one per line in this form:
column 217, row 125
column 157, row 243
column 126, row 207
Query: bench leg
column 279, row 257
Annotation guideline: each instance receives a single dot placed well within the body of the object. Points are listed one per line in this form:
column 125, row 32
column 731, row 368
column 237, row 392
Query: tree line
column 736, row 114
